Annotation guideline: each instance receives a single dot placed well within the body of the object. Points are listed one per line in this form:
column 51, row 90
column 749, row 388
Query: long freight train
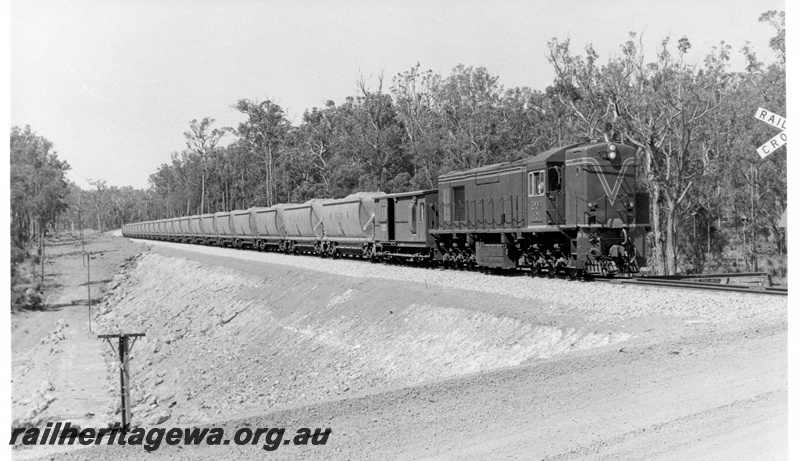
column 572, row 210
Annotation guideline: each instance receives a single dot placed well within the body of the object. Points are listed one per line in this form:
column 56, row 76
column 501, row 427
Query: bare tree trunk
column 753, row 193
column 269, row 177
column 657, row 260
column 42, row 257
column 671, row 245
column 202, row 193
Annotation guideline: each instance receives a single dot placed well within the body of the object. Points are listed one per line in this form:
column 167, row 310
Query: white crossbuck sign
column 778, row 122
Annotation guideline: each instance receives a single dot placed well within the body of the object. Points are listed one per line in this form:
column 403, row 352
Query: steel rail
column 677, row 283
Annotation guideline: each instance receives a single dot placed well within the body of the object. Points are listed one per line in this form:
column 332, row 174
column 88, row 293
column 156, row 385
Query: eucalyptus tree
column 201, row 140
column 39, row 188
column 308, row 164
column 415, row 95
column 659, row 107
column 376, row 136
column 264, row 130
column 467, row 103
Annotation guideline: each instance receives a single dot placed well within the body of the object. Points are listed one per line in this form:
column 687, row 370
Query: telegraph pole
column 80, row 221
column 123, row 350
column 88, row 257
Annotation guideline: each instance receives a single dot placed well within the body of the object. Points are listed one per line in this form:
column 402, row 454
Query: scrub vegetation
column 715, row 205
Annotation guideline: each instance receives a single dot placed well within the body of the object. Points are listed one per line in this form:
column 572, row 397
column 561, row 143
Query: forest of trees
column 715, row 204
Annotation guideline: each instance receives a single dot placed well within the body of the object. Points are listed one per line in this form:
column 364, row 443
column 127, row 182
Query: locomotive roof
column 408, row 194
column 555, row 154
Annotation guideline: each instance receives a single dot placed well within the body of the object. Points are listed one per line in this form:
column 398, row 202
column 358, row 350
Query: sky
column 115, row 84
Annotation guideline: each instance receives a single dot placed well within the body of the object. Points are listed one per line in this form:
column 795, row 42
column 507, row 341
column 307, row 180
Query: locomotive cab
column 546, row 188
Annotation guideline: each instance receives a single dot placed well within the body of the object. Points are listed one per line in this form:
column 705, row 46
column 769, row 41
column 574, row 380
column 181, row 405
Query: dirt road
column 445, row 365
column 59, row 372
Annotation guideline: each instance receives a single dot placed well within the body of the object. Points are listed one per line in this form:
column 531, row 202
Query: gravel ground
column 596, row 302
column 411, row 363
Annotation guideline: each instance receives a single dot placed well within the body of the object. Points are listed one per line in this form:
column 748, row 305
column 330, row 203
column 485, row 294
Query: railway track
column 675, row 282
column 693, row 282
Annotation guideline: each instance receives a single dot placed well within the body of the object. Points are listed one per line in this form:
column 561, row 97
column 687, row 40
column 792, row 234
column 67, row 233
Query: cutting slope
column 409, row 363
column 221, row 342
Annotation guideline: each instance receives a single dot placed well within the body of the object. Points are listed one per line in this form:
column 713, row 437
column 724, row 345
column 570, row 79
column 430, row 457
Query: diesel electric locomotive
column 573, row 210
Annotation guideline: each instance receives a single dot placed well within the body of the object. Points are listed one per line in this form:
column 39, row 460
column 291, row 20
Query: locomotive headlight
column 612, row 151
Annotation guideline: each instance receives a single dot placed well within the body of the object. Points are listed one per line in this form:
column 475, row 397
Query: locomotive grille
column 459, row 205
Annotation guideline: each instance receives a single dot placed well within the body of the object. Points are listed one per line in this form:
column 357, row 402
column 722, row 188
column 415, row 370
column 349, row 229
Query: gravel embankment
column 596, row 302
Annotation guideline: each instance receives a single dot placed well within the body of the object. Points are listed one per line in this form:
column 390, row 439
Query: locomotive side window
column 554, row 179
column 535, row 183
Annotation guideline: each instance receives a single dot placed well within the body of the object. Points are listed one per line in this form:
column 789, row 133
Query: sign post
column 778, row 122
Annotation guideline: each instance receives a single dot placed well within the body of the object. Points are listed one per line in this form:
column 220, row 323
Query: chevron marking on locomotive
column 612, row 193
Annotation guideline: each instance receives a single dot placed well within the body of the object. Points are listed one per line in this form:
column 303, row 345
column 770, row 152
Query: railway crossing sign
column 778, row 122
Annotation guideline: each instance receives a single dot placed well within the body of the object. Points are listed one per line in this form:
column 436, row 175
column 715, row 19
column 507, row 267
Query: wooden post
column 88, row 257
column 124, row 381
column 124, row 349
